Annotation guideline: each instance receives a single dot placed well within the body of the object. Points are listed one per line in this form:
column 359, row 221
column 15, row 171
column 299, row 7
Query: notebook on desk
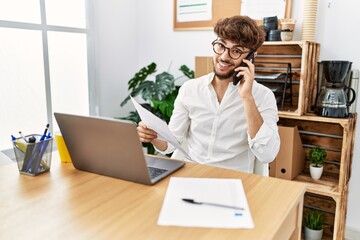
column 112, row 148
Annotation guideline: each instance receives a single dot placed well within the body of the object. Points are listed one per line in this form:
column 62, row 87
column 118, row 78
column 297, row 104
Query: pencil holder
column 33, row 158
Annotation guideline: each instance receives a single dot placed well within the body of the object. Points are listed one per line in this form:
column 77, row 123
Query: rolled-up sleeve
column 265, row 145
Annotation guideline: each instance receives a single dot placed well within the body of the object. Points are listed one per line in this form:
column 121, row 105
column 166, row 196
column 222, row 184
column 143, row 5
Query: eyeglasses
column 234, row 53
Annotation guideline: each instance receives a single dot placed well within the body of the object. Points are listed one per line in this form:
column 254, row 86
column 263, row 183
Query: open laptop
column 112, row 148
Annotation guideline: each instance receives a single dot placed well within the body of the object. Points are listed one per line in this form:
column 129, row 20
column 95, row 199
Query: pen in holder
column 33, row 158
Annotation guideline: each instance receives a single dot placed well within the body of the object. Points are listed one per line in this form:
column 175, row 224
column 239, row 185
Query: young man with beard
column 223, row 124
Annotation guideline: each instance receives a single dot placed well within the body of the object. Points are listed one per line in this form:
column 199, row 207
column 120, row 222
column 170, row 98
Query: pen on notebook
column 189, row 200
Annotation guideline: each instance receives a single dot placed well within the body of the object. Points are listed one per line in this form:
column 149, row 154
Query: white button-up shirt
column 216, row 134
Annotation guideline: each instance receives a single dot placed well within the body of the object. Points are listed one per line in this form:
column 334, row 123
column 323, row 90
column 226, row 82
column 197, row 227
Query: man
column 225, row 125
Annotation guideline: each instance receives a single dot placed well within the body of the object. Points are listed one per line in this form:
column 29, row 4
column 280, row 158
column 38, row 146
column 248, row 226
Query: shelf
column 303, row 57
column 321, row 186
column 328, row 206
column 336, row 136
column 277, row 76
column 277, row 43
column 344, row 122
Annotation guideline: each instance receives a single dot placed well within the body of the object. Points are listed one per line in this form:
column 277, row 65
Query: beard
column 223, row 76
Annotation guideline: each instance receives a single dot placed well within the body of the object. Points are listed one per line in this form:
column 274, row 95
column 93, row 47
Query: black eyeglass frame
column 226, row 48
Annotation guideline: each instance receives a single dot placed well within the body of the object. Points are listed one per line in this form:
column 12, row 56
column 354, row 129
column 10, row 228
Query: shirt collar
column 211, row 77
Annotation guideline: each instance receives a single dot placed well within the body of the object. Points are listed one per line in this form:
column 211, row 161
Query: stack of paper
column 229, row 192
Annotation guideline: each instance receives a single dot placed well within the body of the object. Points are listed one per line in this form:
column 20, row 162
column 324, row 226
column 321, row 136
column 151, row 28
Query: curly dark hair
column 241, row 30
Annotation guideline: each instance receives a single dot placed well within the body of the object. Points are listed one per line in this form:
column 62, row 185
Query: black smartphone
column 236, row 79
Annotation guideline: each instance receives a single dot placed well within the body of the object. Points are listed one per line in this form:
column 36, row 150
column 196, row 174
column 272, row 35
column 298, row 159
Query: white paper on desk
column 158, row 125
column 175, row 212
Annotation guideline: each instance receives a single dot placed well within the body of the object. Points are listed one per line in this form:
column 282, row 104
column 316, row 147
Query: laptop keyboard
column 154, row 172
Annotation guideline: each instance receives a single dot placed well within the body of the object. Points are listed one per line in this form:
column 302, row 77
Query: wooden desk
column 70, row 204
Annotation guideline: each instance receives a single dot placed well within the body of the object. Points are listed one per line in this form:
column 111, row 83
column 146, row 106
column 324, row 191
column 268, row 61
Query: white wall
column 132, row 34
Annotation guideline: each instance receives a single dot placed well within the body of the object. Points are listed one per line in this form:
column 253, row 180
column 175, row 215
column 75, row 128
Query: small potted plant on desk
column 313, row 222
column 317, row 157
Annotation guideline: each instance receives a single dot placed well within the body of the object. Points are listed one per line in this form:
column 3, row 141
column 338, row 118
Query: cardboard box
column 290, row 160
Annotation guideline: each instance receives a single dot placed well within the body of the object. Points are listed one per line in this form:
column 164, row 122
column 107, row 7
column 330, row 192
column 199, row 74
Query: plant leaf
column 166, row 106
column 187, row 72
column 164, row 84
column 141, row 75
column 133, row 117
column 137, row 80
column 147, row 89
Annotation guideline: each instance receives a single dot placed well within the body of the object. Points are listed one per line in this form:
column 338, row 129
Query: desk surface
column 70, row 204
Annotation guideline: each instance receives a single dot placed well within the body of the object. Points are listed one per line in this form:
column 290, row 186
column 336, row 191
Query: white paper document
column 159, row 126
column 193, row 10
column 229, row 192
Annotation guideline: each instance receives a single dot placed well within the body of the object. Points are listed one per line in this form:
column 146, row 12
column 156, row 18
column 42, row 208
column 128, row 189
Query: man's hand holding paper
column 160, row 129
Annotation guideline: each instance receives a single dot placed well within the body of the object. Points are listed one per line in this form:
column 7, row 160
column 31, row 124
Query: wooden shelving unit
column 330, row 193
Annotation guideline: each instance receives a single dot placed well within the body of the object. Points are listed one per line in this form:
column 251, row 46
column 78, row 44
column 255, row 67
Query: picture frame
column 219, row 9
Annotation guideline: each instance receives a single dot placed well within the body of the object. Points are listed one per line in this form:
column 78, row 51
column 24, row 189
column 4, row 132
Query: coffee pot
column 332, row 99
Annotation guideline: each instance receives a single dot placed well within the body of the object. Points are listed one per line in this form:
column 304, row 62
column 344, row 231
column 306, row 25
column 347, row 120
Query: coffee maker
column 333, row 96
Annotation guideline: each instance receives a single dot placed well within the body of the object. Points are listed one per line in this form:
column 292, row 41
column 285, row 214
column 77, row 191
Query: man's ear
column 255, row 54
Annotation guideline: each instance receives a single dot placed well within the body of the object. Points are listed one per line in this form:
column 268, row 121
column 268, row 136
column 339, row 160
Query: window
column 43, row 64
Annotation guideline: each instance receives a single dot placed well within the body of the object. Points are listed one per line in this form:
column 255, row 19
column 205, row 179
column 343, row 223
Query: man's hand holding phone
column 245, row 73
column 236, row 76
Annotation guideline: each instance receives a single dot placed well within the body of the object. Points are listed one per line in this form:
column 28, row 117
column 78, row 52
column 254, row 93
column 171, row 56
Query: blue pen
column 39, row 152
column 44, row 134
column 38, row 157
column 31, row 152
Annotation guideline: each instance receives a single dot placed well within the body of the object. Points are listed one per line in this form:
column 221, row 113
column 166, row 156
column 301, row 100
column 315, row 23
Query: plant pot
column 287, row 25
column 316, row 172
column 311, row 234
column 286, row 36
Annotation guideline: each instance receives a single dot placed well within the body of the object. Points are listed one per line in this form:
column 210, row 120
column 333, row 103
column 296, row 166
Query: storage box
column 33, row 158
column 290, row 160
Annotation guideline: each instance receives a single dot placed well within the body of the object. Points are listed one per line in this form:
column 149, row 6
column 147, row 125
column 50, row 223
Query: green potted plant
column 314, row 223
column 158, row 94
column 286, row 34
column 317, row 157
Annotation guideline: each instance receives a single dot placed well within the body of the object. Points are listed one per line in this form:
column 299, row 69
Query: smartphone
column 236, row 79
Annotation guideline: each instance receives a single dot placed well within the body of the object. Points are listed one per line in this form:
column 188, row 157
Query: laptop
column 112, row 148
